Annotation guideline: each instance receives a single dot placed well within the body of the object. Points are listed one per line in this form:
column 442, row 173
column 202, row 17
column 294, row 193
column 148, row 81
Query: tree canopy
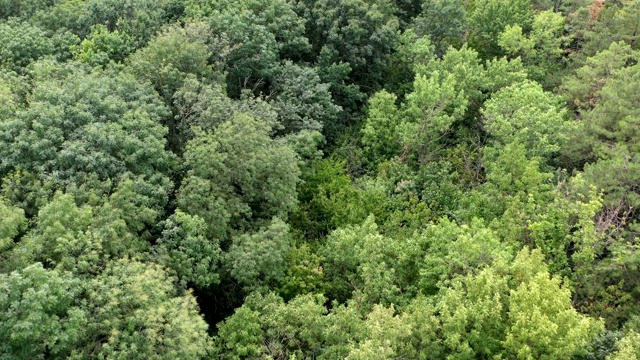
column 319, row 179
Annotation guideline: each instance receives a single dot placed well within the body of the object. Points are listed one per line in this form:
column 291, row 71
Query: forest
column 320, row 179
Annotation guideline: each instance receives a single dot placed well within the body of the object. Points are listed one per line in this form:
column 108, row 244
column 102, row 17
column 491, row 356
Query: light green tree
column 524, row 113
column 12, row 224
column 452, row 250
column 78, row 239
column 542, row 49
column 385, row 336
column 515, row 310
column 627, row 348
column 380, row 134
column 542, row 322
column 102, row 46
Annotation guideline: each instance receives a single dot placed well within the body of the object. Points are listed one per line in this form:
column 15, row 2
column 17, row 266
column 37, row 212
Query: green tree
column 61, row 16
column 199, row 104
column 171, row 58
column 38, row 315
column 130, row 309
column 488, row 18
column 515, row 186
column 8, row 97
column 22, row 8
column 26, row 191
column 59, row 237
column 185, row 249
column 565, row 230
column 172, row 55
column 582, row 89
column 240, row 335
column 302, row 101
column 610, row 136
column 446, row 92
column 410, row 53
column 328, row 199
column 81, row 125
column 237, row 177
column 24, row 43
column 267, row 327
column 304, row 272
column 276, row 17
column 444, row 22
column 432, row 107
column 259, row 32
column 134, row 312
column 258, row 259
column 374, row 268
column 139, row 19
column 601, row 24
column 415, row 131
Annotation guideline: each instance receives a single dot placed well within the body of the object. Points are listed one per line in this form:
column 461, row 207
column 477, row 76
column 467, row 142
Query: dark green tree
column 444, row 22
column 355, row 32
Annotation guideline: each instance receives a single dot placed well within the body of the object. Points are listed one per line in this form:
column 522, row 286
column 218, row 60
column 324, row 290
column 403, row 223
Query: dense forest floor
column 319, row 179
